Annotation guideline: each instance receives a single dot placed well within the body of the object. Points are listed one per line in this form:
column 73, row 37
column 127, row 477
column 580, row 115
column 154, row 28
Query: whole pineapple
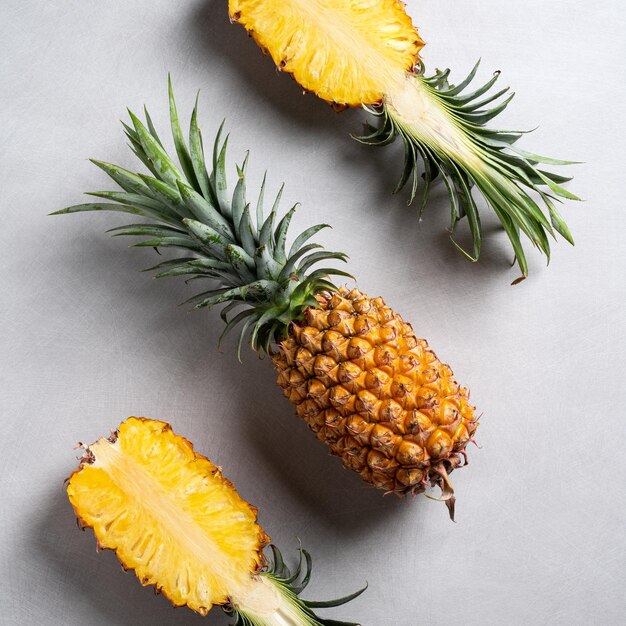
column 375, row 393
column 367, row 53
column 358, row 375
column 169, row 514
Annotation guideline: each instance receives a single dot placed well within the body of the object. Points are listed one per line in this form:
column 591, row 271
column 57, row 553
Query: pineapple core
column 414, row 107
column 171, row 516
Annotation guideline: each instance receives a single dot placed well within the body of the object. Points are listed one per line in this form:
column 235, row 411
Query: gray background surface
column 88, row 340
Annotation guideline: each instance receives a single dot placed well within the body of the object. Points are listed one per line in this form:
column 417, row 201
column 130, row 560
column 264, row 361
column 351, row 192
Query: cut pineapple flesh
column 171, row 516
column 346, row 51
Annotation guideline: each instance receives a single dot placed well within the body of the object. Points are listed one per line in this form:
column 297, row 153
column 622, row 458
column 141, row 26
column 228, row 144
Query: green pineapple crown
column 503, row 173
column 246, row 258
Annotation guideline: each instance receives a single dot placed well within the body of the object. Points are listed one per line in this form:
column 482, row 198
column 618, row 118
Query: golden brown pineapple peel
column 345, row 51
column 376, row 394
column 169, row 514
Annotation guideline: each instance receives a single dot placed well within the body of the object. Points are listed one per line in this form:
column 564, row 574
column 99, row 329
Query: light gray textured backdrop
column 88, row 340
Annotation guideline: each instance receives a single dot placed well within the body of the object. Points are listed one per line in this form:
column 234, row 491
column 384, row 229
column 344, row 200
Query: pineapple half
column 170, row 515
column 366, row 53
column 358, row 375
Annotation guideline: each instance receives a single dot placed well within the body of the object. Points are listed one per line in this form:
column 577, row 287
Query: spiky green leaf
column 189, row 208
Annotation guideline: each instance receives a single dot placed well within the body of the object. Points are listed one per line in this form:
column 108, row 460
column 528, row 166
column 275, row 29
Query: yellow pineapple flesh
column 169, row 514
column 345, row 51
column 376, row 394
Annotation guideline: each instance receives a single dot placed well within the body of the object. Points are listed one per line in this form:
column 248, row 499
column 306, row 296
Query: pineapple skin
column 376, row 394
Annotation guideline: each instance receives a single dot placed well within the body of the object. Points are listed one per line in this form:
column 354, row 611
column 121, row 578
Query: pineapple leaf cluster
column 511, row 180
column 241, row 252
column 292, row 584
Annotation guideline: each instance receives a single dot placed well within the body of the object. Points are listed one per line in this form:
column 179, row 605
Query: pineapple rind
column 376, row 394
column 344, row 51
column 169, row 514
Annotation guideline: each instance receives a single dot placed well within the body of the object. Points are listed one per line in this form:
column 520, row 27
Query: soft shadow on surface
column 134, row 298
column 260, row 82
column 428, row 235
column 335, row 498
